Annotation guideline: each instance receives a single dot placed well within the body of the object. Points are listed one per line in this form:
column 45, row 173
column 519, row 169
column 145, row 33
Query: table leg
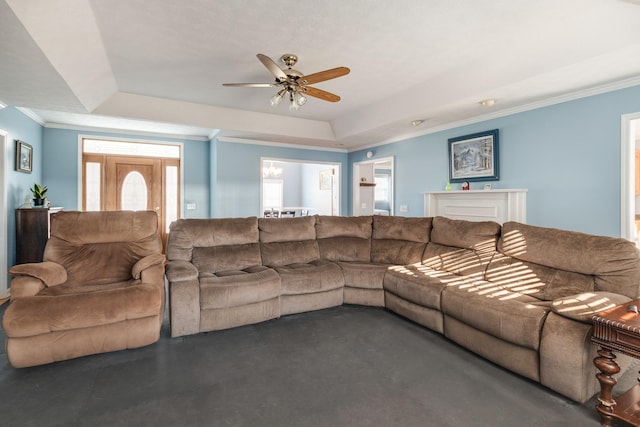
column 606, row 364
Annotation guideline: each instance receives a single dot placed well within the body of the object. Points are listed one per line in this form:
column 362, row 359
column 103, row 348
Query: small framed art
column 474, row 157
column 24, row 157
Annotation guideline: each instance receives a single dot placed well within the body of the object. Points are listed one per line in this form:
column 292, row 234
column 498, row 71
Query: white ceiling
column 158, row 66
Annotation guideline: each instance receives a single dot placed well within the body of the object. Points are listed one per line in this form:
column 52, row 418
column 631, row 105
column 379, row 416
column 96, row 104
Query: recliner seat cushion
column 236, row 288
column 308, row 278
column 512, row 317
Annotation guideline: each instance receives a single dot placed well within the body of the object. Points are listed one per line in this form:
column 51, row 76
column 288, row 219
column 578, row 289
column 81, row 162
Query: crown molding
column 32, row 115
column 278, row 144
column 567, row 97
column 124, row 131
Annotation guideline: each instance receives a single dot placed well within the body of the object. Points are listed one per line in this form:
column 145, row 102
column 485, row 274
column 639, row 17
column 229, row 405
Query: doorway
column 4, row 241
column 299, row 188
column 114, row 179
column 373, row 188
column 630, row 182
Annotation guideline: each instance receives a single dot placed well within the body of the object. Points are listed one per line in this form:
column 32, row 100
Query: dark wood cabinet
column 32, row 233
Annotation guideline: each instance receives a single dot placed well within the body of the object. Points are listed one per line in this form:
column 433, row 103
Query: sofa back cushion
column 101, row 247
column 540, row 281
column 216, row 244
column 614, row 263
column 344, row 238
column 461, row 247
column 285, row 241
column 399, row 240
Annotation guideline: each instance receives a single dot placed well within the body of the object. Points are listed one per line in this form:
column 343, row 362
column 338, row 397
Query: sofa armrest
column 50, row 273
column 582, row 307
column 180, row 271
column 146, row 262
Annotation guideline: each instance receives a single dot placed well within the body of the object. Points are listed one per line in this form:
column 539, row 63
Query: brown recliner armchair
column 100, row 288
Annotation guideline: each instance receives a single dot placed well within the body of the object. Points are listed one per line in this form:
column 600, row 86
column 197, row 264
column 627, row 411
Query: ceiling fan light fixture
column 277, row 98
column 293, row 104
column 301, row 99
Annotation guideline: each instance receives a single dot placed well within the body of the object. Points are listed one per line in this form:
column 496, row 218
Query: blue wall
column 17, row 183
column 567, row 155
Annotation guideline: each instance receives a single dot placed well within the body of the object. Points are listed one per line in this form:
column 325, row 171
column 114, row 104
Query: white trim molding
column 628, row 133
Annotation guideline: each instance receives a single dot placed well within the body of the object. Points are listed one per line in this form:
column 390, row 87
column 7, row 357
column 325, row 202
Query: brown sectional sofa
column 519, row 295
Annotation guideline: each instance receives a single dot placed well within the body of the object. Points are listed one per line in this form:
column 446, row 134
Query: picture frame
column 325, row 179
column 474, row 157
column 24, row 157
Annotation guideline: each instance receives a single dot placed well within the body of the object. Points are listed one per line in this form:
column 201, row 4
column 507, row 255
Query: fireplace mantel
column 478, row 205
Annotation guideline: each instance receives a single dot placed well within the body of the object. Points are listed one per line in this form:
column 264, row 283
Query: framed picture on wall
column 24, row 157
column 325, row 179
column 474, row 157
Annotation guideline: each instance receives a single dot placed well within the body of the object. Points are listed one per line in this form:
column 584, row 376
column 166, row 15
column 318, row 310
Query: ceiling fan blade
column 319, row 93
column 272, row 66
column 250, row 84
column 324, row 75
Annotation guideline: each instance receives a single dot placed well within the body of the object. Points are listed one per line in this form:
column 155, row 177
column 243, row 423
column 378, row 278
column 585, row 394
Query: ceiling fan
column 293, row 83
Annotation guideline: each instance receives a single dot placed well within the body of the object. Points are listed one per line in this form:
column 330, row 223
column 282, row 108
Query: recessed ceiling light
column 487, row 102
column 417, row 122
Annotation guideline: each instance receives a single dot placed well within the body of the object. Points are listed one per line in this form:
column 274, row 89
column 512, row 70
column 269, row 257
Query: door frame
column 628, row 125
column 356, row 182
column 4, row 247
column 141, row 141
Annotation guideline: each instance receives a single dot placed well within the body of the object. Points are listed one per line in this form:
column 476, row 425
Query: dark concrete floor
column 345, row 366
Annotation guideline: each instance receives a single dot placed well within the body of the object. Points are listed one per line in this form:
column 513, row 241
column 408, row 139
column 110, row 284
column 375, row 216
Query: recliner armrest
column 146, row 262
column 178, row 271
column 582, row 307
column 50, row 273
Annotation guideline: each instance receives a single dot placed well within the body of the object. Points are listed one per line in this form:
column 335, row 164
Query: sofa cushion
column 363, row 275
column 287, row 229
column 344, row 238
column 108, row 242
column 455, row 260
column 510, row 316
column 461, row 247
column 213, row 259
column 399, row 240
column 612, row 261
column 238, row 287
column 285, row 241
column 582, row 307
column 542, row 282
column 477, row 235
column 186, row 234
column 308, row 278
column 418, row 284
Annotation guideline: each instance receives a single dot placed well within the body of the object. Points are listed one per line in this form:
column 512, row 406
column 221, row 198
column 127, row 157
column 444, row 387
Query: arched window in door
column 134, row 192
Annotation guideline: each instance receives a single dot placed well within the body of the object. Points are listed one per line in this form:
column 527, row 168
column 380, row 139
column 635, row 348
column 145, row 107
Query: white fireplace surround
column 478, row 205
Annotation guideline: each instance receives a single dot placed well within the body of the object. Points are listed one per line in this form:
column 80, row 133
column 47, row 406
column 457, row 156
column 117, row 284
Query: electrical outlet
column 363, row 206
column 404, row 208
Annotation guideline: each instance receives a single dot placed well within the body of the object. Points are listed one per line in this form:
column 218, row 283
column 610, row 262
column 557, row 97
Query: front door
column 135, row 183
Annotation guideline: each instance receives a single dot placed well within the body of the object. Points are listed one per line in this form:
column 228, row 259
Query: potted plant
column 39, row 193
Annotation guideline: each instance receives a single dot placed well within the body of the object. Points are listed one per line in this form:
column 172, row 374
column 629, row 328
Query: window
column 382, row 188
column 272, row 194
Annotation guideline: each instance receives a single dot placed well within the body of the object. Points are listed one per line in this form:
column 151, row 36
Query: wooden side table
column 617, row 330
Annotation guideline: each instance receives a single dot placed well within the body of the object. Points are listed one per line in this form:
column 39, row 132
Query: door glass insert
column 171, row 200
column 92, row 182
column 134, row 192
